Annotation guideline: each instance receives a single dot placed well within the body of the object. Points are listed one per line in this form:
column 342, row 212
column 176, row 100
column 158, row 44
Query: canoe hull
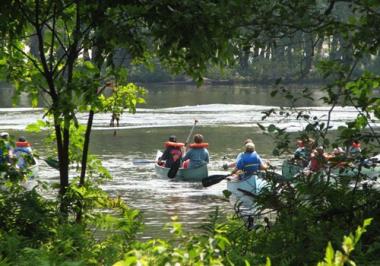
column 242, row 191
column 32, row 175
column 290, row 171
column 238, row 196
column 190, row 174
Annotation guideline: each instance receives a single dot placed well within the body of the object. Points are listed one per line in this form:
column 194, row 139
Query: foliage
column 183, row 249
column 65, row 50
column 337, row 258
column 32, row 234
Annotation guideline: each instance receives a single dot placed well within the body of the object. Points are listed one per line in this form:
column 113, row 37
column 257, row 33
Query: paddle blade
column 213, row 179
column 52, row 162
column 142, row 161
column 174, row 169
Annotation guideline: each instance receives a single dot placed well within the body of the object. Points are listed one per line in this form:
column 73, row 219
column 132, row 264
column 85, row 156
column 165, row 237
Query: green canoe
column 189, row 174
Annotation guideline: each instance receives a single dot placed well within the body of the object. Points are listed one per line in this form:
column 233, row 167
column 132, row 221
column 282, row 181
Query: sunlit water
column 226, row 115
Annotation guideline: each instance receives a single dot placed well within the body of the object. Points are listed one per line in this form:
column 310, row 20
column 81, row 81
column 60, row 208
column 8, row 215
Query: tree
column 73, row 43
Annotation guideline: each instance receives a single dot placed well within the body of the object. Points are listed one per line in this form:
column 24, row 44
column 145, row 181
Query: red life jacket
column 317, row 162
column 355, row 145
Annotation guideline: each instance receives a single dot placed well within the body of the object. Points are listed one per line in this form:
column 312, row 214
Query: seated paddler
column 249, row 163
column 197, row 155
column 23, row 153
column 172, row 152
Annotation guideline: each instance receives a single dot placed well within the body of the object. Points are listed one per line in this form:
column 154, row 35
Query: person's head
column 21, row 139
column 250, row 147
column 338, row 151
column 248, row 141
column 173, row 138
column 300, row 143
column 319, row 149
column 310, row 143
column 355, row 144
column 198, row 138
column 4, row 135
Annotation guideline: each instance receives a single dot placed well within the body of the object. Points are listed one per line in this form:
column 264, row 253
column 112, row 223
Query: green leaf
column 329, row 256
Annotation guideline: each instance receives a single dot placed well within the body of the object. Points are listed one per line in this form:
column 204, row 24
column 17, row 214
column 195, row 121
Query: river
column 227, row 115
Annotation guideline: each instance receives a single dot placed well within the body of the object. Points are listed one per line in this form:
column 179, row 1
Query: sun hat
column 4, row 134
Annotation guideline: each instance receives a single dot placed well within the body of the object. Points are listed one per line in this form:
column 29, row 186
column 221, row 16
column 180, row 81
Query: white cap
column 4, row 134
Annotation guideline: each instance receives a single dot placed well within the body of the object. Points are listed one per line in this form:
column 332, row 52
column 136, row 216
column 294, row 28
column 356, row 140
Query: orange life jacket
column 22, row 144
column 198, row 145
column 173, row 144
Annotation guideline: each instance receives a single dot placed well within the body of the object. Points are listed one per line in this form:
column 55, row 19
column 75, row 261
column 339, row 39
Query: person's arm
column 10, row 150
column 233, row 164
column 164, row 156
column 263, row 164
column 239, row 166
column 187, row 155
column 234, row 171
column 207, row 156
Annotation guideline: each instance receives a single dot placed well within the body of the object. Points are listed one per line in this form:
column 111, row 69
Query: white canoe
column 188, row 174
column 32, row 169
column 252, row 184
column 32, row 174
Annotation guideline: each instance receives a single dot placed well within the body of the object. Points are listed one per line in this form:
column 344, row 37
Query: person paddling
column 6, row 151
column 172, row 152
column 233, row 164
column 249, row 163
column 23, row 152
column 198, row 154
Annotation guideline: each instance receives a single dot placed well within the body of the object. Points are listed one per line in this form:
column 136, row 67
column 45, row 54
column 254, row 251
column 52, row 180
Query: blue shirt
column 4, row 155
column 198, row 157
column 249, row 162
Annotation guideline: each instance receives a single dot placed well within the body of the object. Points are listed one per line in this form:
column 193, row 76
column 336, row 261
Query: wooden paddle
column 213, row 179
column 174, row 168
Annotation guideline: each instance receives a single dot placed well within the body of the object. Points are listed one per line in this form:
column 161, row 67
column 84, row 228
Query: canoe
column 242, row 190
column 189, row 174
column 33, row 169
column 31, row 174
column 371, row 169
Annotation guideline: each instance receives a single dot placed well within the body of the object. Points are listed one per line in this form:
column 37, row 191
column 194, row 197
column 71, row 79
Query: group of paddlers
column 247, row 163
column 196, row 154
column 20, row 151
column 308, row 155
column 314, row 158
column 193, row 155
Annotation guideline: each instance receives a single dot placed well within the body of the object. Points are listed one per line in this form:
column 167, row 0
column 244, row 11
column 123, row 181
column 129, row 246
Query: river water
column 227, row 115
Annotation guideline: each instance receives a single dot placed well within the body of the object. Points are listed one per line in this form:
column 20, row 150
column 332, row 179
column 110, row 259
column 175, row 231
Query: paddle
column 51, row 162
column 142, row 161
column 213, row 179
column 174, row 168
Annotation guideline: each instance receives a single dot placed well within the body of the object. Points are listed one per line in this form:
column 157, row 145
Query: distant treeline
column 295, row 59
